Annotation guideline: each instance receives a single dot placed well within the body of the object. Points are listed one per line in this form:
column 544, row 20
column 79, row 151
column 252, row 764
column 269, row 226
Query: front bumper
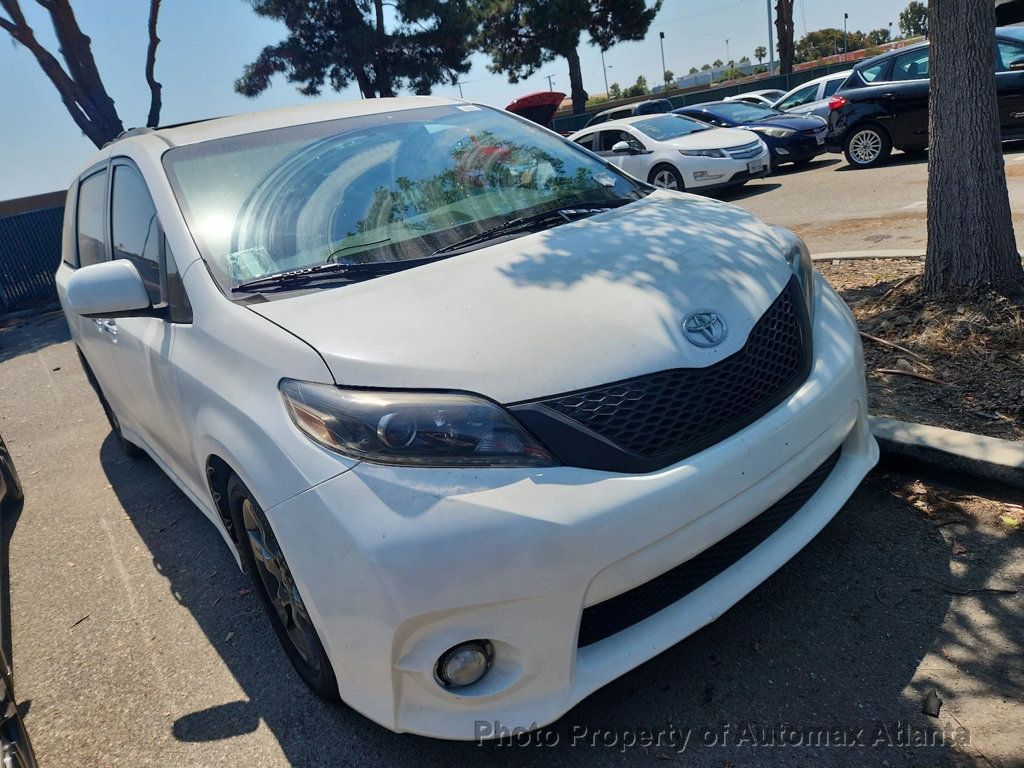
column 397, row 565
column 726, row 172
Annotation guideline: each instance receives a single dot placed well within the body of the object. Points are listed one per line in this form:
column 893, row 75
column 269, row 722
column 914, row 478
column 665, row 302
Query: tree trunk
column 970, row 230
column 381, row 76
column 155, row 102
column 784, row 30
column 579, row 95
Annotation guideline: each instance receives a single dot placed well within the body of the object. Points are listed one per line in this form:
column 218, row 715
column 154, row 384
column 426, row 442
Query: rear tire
column 264, row 562
column 665, row 176
column 867, row 146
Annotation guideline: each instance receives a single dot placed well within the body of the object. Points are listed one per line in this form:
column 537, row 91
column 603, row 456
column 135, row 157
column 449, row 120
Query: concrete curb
column 865, row 255
column 987, row 458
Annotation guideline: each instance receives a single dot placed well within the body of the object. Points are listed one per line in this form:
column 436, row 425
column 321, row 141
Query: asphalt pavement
column 137, row 642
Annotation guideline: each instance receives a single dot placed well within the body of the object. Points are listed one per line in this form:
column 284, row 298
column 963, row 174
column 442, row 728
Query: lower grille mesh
column 623, row 611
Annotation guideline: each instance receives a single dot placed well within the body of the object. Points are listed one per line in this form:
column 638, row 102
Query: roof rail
column 145, row 129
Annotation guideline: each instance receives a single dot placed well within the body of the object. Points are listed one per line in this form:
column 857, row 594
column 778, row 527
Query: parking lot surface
column 835, row 208
column 137, row 642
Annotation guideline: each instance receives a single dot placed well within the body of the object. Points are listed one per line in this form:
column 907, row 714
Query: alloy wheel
column 665, row 179
column 866, row 146
column 279, row 585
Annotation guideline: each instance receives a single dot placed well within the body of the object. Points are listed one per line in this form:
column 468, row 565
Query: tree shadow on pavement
column 23, row 337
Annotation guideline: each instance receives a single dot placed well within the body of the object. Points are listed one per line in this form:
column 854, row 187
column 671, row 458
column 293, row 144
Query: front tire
column 264, row 562
column 665, row 176
column 867, row 146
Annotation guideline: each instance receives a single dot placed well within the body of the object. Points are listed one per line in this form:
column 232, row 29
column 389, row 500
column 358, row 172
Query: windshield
column 668, row 127
column 742, row 112
column 374, row 189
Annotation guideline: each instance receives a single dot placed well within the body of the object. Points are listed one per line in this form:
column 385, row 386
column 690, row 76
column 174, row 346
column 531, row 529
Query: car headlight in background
column 411, row 428
column 799, row 258
column 702, row 152
column 776, row 133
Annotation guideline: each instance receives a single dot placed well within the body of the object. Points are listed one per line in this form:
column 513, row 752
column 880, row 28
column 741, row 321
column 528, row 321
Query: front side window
column 374, row 189
column 800, row 97
column 610, row 138
column 911, row 66
column 91, row 233
column 135, row 228
column 668, row 127
column 873, row 73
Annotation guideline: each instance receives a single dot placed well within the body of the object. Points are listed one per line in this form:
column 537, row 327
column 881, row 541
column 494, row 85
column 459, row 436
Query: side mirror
column 1017, row 65
column 622, row 148
column 111, row 289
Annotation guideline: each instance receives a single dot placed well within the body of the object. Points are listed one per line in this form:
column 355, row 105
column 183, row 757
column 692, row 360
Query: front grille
column 662, row 418
column 623, row 611
column 745, row 152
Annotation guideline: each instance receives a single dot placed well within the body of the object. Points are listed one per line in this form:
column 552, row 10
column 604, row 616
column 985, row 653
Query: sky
column 206, row 43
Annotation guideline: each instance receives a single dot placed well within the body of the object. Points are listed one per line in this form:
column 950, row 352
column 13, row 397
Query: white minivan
column 489, row 422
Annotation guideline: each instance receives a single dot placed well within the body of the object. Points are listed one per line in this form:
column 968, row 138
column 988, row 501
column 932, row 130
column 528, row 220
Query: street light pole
column 550, row 86
column 846, row 36
column 771, row 40
column 604, row 71
column 661, row 39
column 727, row 51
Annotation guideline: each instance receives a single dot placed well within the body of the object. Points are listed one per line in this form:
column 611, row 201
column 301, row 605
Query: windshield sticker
column 250, row 263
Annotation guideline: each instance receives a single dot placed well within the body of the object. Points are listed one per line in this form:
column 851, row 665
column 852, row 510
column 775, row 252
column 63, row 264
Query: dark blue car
column 796, row 139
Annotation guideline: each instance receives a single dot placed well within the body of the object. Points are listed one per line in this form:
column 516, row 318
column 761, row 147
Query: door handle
column 109, row 326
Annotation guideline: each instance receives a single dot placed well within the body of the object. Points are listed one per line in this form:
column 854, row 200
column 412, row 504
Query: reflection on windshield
column 373, row 189
column 739, row 112
column 668, row 127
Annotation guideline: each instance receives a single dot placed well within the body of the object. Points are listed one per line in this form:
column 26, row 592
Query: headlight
column 799, row 259
column 411, row 428
column 778, row 133
column 702, row 152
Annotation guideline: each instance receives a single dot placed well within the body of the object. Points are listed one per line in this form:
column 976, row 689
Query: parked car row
column 883, row 105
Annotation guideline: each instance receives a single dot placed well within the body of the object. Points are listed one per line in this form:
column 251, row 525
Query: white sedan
column 676, row 152
column 766, row 97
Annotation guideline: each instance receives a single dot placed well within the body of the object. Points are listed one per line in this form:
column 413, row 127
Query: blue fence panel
column 29, row 255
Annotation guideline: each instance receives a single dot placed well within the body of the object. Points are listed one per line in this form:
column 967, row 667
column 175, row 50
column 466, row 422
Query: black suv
column 884, row 103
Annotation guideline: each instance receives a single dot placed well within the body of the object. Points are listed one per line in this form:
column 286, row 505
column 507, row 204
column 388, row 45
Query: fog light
column 464, row 664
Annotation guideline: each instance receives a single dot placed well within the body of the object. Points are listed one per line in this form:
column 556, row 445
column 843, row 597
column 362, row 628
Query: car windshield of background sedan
column 742, row 112
column 668, row 127
column 376, row 189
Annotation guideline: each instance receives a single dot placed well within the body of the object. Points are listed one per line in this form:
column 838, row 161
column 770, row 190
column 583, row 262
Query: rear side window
column 831, row 86
column 873, row 73
column 1008, row 55
column 135, row 229
column 90, row 232
column 587, row 141
column 911, row 66
column 800, row 97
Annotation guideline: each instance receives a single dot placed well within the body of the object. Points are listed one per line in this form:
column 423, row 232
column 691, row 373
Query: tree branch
column 155, row 102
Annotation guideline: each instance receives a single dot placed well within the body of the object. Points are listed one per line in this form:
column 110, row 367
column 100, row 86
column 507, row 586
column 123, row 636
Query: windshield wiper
column 348, row 273
column 553, row 216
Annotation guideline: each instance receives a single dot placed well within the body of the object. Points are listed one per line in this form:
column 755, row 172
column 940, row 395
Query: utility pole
column 771, row 40
column 550, row 86
column 459, row 83
column 846, row 36
column 604, row 71
column 661, row 39
column 727, row 59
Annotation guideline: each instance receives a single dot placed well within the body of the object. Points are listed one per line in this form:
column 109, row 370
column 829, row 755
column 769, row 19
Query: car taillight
column 837, row 102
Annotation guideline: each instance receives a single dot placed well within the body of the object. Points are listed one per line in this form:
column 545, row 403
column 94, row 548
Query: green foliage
column 717, row 63
column 827, row 42
column 337, row 42
column 706, row 67
column 731, row 74
column 760, row 53
column 670, row 76
column 694, row 70
column 593, row 101
column 614, row 92
column 639, row 88
column 745, row 60
column 914, row 19
column 520, row 36
column 879, row 36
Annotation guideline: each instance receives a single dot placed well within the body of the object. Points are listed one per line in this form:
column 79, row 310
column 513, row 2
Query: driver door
column 634, row 162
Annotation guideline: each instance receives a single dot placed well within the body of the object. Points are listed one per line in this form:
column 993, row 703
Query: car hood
column 789, row 120
column 585, row 303
column 716, row 138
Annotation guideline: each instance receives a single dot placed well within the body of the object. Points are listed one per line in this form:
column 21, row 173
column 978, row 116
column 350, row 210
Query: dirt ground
column 957, row 365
